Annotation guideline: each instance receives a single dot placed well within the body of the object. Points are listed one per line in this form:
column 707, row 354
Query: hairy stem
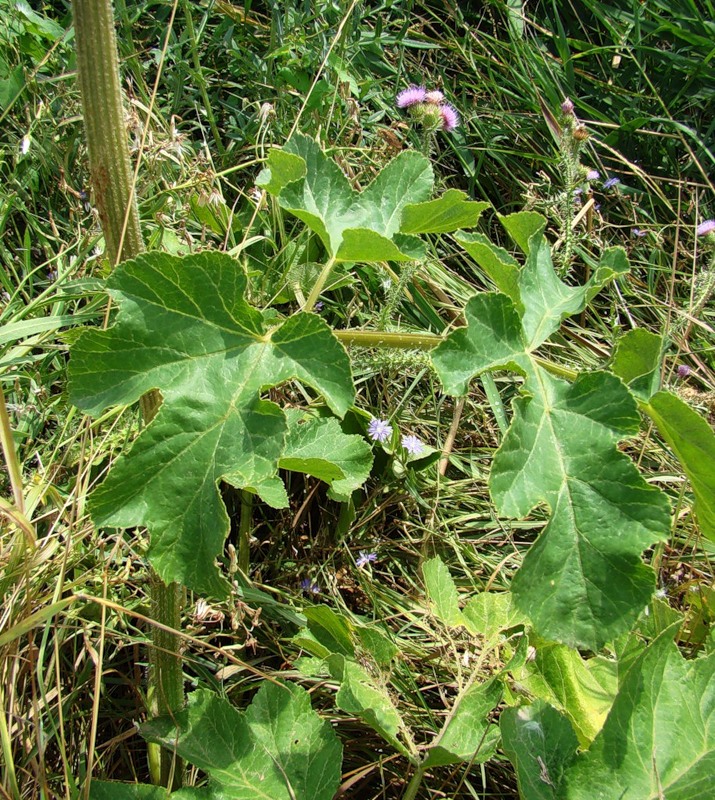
column 111, row 175
column 99, row 84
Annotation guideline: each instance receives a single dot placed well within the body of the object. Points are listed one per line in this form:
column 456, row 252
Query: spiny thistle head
column 411, row 96
column 567, row 107
column 428, row 108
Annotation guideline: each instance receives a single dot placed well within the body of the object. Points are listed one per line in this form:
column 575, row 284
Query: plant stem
column 166, row 682
column 111, row 175
column 318, row 287
column 244, row 532
column 399, row 341
column 414, row 784
column 198, row 71
column 8, row 447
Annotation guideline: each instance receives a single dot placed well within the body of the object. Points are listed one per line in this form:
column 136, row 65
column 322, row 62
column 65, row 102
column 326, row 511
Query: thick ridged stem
column 99, row 83
column 166, row 681
column 111, row 175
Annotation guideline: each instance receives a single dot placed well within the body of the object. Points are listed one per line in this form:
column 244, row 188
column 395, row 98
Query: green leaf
column 560, row 676
column 109, row 790
column 185, row 328
column 359, row 694
column 541, row 744
column 317, row 446
column 548, row 300
column 353, row 226
column 522, row 225
column 693, row 441
column 499, row 265
column 491, row 339
column 583, row 581
column 332, row 630
column 490, row 613
column 283, row 168
column 377, row 644
column 446, row 214
column 442, row 592
column 659, row 738
column 278, row 749
column 637, row 361
column 468, row 735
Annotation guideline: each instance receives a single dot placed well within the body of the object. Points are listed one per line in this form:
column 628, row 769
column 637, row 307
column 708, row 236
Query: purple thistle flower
column 450, row 117
column 412, row 444
column 683, row 370
column 308, row 586
column 379, row 430
column 411, row 96
column 364, row 558
column 435, row 97
column 611, row 182
column 567, row 106
column 593, row 175
column 705, row 227
column 638, row 233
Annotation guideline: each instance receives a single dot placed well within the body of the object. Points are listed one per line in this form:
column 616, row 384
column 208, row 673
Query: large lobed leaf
column 377, row 224
column 278, row 749
column 185, row 328
column 583, row 581
column 657, row 742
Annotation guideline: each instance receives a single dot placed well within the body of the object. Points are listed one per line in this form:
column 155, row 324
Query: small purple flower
column 379, row 430
column 450, row 117
column 638, row 233
column 611, row 182
column 683, row 370
column 567, row 106
column 411, row 96
column 705, row 227
column 318, row 307
column 412, row 444
column 435, row 97
column 593, row 175
column 364, row 558
column 308, row 586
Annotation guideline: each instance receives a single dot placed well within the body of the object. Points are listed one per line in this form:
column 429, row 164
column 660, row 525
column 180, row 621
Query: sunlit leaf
column 185, row 328
column 278, row 749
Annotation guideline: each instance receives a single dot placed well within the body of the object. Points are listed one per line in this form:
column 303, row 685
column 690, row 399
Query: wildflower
column 308, row 586
column 318, row 307
column 411, row 96
column 450, row 117
column 567, row 106
column 638, row 233
column 364, row 558
column 25, row 145
column 593, row 175
column 611, row 182
column 683, row 370
column 705, row 227
column 435, row 97
column 379, row 430
column 412, row 444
